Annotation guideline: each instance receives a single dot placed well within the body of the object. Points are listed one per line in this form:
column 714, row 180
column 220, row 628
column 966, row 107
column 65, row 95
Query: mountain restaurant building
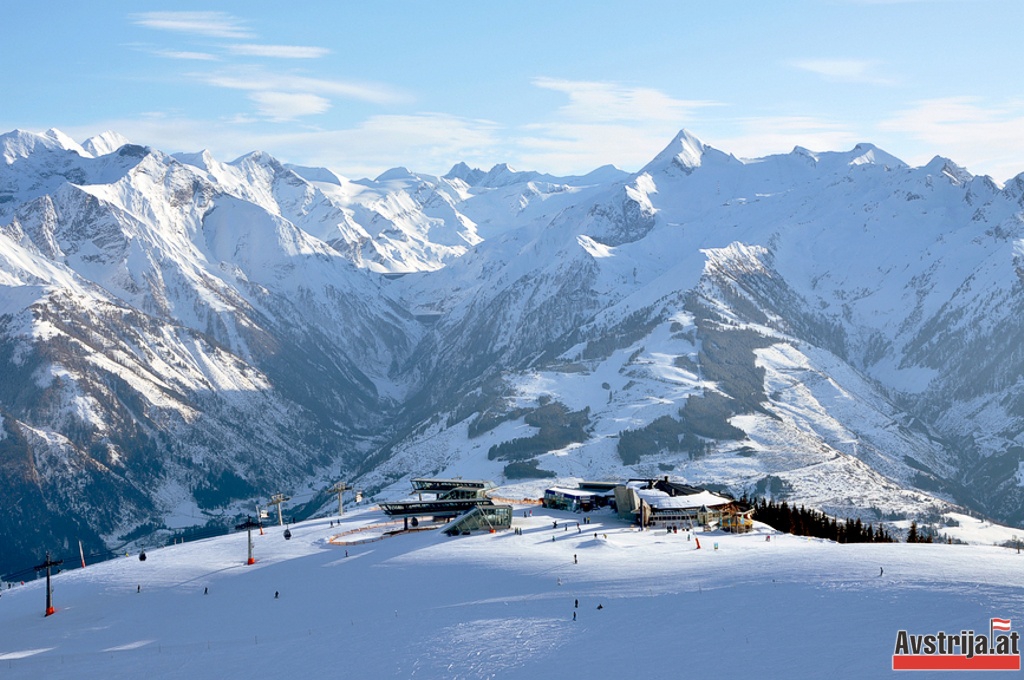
column 660, row 503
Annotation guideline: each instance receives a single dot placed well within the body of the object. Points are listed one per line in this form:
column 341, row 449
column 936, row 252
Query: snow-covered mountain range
column 180, row 336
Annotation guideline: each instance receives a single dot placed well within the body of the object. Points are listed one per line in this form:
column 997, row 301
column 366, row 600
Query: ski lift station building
column 464, row 501
column 586, row 497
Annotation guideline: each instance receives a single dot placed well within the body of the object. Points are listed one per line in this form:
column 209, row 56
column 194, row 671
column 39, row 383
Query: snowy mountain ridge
column 180, row 336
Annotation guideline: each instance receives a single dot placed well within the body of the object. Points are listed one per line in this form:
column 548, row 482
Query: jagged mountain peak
column 866, row 153
column 260, row 158
column 64, row 141
column 23, row 143
column 471, row 176
column 1014, row 187
column 397, row 173
column 311, row 174
column 684, row 154
column 503, row 174
column 861, row 154
column 942, row 166
column 606, row 174
column 104, row 143
column 203, row 160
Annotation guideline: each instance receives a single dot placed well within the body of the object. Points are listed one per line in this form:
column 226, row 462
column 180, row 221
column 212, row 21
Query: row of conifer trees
column 808, row 522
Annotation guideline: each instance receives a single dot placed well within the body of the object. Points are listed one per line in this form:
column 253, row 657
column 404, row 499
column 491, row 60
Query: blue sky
column 561, row 87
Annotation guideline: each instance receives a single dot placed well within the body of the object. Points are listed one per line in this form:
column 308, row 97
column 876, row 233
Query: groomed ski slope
column 423, row 605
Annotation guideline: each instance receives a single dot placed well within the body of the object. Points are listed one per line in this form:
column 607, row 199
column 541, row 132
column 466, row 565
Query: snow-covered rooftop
column 662, row 501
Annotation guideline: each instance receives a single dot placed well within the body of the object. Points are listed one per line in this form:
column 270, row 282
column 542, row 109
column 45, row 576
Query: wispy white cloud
column 987, row 137
column 286, row 106
column 864, row 71
column 260, row 80
column 277, row 96
column 194, row 56
column 279, row 51
column 596, row 101
column 207, row 24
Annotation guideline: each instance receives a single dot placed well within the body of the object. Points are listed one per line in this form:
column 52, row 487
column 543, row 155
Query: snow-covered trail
column 501, row 605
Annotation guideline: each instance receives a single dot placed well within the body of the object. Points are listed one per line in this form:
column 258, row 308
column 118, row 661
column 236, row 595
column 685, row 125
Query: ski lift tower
column 277, row 499
column 249, row 525
column 49, row 590
column 339, row 489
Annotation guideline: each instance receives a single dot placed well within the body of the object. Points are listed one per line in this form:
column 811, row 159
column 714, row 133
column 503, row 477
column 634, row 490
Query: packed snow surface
column 650, row 604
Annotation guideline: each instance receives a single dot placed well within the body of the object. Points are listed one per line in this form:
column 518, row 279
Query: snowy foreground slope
column 423, row 605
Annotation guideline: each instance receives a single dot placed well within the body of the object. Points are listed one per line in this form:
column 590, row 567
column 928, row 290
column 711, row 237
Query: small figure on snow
column 206, row 590
column 574, row 560
column 574, row 616
column 881, row 571
column 600, row 606
column 276, row 595
column 576, row 605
